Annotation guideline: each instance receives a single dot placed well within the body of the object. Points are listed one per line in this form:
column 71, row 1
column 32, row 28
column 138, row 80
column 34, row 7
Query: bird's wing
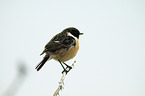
column 57, row 44
column 69, row 41
column 58, row 37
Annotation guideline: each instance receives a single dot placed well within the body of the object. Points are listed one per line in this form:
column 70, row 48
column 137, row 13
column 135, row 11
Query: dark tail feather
column 40, row 65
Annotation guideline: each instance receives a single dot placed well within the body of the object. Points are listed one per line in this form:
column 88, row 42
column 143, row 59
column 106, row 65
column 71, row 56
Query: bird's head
column 75, row 32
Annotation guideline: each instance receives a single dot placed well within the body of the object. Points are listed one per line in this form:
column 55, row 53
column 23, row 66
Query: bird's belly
column 66, row 54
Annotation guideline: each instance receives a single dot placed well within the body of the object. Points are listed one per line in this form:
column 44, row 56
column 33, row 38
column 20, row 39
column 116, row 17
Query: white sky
column 111, row 59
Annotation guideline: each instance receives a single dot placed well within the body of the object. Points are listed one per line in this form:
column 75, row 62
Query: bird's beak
column 81, row 33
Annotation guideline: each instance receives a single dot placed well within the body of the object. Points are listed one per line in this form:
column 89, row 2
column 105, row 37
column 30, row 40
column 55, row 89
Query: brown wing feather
column 58, row 42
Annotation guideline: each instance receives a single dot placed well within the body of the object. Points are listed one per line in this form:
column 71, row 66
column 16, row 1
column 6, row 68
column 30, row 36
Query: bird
column 62, row 47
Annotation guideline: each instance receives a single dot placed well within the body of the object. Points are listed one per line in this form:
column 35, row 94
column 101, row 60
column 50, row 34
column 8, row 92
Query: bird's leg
column 67, row 66
column 61, row 65
column 64, row 69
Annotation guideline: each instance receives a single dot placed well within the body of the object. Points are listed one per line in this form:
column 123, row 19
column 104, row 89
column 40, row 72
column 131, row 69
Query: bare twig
column 61, row 83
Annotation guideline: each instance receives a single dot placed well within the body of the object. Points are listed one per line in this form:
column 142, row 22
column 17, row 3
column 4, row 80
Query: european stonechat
column 62, row 47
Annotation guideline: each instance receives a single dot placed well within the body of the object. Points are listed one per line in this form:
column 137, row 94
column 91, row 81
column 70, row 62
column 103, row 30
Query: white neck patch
column 69, row 34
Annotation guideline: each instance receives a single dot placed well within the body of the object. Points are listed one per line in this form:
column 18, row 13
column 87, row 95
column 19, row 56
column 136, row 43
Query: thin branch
column 61, row 83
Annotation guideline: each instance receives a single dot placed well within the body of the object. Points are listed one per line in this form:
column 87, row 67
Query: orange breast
column 66, row 55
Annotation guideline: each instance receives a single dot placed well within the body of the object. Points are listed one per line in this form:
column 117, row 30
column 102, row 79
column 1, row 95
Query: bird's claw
column 68, row 68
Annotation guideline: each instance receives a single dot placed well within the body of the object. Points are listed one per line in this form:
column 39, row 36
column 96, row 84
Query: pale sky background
column 111, row 59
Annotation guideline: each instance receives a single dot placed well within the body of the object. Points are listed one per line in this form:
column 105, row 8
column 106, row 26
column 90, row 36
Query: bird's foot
column 68, row 68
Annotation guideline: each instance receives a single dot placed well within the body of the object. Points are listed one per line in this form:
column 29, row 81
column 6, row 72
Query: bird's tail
column 40, row 65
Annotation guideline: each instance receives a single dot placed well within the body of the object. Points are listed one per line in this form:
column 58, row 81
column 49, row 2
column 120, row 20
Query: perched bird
column 62, row 47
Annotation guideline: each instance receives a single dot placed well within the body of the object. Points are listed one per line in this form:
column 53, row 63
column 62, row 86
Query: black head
column 75, row 32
